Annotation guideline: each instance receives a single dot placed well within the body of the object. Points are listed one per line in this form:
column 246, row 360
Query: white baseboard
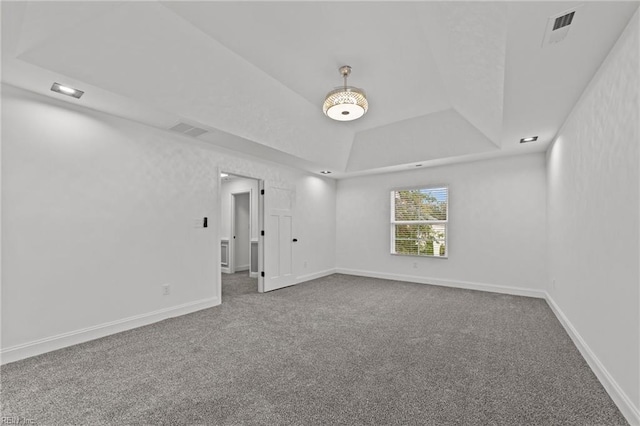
column 315, row 275
column 624, row 403
column 241, row 268
column 225, row 270
column 48, row 344
column 515, row 291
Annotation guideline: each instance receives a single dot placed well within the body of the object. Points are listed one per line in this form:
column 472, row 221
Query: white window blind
column 419, row 220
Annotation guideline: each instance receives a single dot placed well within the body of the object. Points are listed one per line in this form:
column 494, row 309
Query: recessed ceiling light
column 66, row 90
column 325, row 172
column 529, row 139
column 224, row 175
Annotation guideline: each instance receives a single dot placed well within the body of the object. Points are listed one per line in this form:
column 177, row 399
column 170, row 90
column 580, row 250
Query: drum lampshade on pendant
column 345, row 103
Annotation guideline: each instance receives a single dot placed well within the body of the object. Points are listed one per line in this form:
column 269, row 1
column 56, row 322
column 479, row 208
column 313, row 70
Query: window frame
column 394, row 222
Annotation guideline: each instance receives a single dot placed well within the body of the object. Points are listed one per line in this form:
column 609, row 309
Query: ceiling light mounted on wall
column 345, row 103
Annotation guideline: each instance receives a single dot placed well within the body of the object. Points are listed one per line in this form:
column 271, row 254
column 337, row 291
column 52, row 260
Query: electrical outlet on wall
column 305, row 263
column 166, row 289
column 415, row 265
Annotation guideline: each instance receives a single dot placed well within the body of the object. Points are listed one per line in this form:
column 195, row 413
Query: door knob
column 295, row 240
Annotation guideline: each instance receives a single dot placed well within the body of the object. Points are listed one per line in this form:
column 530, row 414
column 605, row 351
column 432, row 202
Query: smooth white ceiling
column 446, row 81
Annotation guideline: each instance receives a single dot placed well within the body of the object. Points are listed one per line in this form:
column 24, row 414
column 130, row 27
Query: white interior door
column 279, row 238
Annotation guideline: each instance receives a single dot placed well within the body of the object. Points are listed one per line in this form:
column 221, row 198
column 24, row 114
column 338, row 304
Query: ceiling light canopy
column 345, row 103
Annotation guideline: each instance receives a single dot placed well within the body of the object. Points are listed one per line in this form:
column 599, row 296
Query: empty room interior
column 314, row 212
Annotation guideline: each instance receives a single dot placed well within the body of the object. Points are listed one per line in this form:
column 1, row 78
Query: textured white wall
column 99, row 212
column 593, row 196
column 315, row 217
column 496, row 232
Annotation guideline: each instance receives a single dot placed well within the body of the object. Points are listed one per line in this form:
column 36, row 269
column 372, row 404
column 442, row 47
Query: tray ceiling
column 446, row 81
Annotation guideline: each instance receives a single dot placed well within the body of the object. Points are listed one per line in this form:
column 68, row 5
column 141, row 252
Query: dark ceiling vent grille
column 563, row 21
column 188, row 129
column 558, row 26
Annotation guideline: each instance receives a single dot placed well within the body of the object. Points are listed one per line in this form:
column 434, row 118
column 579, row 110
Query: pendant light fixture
column 345, row 103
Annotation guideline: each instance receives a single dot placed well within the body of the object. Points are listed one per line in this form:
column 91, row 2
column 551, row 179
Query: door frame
column 218, row 236
column 261, row 214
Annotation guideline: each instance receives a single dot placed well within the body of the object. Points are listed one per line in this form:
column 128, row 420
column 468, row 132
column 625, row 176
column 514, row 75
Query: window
column 419, row 219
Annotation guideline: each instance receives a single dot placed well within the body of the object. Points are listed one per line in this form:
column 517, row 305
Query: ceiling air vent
column 563, row 21
column 558, row 26
column 188, row 129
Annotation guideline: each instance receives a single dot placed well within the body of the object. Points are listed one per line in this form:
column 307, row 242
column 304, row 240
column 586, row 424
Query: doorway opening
column 241, row 231
column 240, row 239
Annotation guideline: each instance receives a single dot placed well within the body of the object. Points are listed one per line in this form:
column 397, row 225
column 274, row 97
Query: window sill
column 419, row 256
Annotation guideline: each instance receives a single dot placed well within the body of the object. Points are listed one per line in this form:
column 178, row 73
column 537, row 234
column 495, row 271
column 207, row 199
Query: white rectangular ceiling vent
column 188, row 129
column 558, row 26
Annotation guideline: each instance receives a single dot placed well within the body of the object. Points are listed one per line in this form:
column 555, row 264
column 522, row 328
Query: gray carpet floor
column 337, row 350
